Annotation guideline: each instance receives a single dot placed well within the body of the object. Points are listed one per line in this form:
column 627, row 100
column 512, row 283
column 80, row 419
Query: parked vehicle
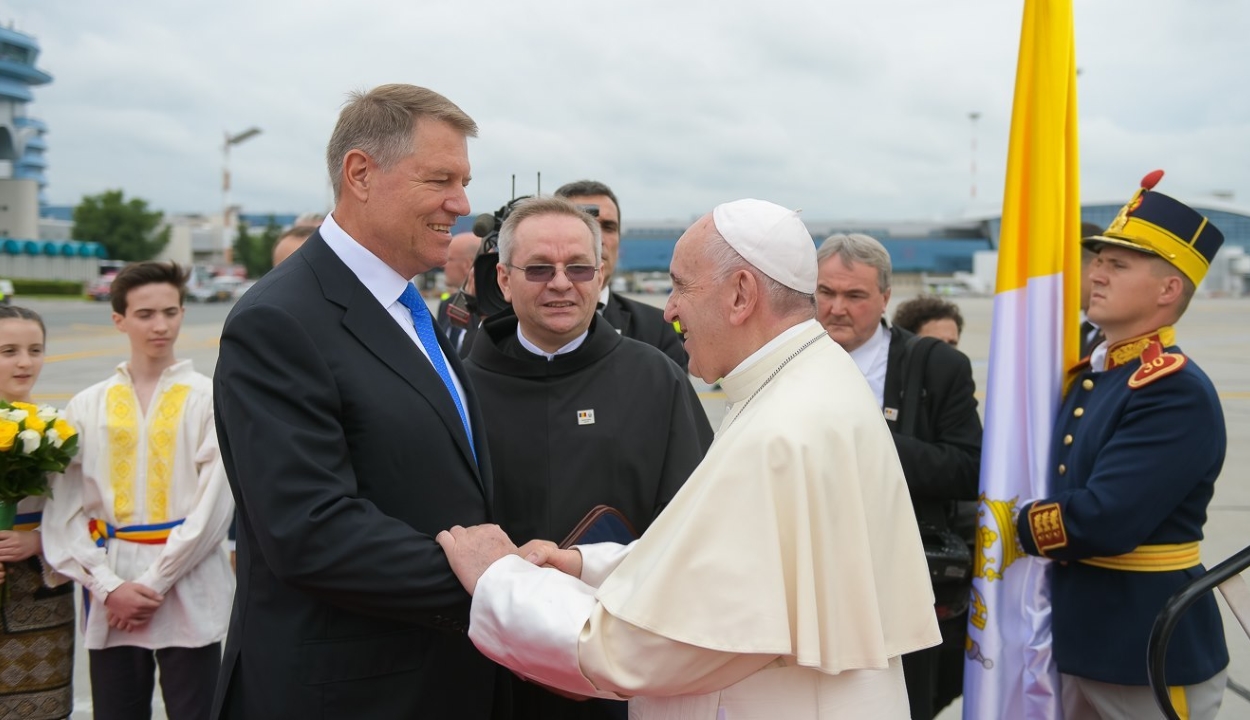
column 98, row 289
column 223, row 287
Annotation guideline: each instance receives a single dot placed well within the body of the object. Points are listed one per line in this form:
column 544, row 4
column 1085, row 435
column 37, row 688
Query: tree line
column 130, row 231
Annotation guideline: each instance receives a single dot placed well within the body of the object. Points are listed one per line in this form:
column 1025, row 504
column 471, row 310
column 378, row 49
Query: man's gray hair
column 533, row 207
column 380, row 122
column 858, row 248
column 784, row 300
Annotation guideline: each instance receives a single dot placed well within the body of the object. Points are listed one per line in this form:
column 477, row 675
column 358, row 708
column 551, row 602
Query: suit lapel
column 378, row 332
column 617, row 315
column 893, row 390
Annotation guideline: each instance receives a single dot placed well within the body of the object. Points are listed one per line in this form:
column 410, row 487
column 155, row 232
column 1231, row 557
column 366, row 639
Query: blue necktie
column 424, row 325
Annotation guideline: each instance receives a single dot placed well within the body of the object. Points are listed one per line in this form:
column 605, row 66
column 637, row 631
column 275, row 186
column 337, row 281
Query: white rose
column 14, row 414
column 48, row 414
column 54, row 437
column 30, row 440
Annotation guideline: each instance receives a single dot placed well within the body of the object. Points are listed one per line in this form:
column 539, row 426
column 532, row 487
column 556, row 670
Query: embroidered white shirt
column 192, row 569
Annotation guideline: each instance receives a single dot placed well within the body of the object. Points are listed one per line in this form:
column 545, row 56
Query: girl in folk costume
column 37, row 609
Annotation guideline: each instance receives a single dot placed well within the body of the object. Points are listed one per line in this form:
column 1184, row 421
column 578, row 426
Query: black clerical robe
column 615, row 422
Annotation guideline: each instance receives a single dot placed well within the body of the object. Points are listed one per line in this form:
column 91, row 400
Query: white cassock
column 784, row 580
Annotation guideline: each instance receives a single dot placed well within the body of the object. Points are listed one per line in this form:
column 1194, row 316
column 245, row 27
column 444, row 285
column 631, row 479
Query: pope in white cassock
column 786, row 577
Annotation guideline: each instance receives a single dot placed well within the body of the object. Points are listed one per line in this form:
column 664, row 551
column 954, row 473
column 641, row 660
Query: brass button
column 1063, row 469
column 1067, row 439
column 1078, row 412
column 1088, row 384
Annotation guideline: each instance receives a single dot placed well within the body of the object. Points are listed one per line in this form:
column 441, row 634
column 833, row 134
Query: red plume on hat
column 1147, row 183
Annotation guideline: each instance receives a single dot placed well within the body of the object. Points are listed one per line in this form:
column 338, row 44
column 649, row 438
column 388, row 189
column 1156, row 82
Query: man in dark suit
column 940, row 447
column 458, row 272
column 1091, row 334
column 631, row 318
column 351, row 437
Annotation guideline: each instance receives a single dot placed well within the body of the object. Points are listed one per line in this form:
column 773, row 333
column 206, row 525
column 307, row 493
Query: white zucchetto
column 772, row 238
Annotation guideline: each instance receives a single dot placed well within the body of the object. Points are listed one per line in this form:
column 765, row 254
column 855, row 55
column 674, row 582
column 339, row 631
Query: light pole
column 973, row 117
column 227, row 227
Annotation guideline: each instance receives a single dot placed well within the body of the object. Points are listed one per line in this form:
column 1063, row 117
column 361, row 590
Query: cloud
column 858, row 112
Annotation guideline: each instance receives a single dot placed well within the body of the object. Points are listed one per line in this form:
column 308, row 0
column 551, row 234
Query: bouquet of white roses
column 34, row 441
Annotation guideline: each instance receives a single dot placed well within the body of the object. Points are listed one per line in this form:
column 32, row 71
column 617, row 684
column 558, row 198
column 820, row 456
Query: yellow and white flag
column 1010, row 670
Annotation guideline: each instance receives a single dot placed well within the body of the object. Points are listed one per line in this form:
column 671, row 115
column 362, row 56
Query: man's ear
column 357, row 172
column 1171, row 289
column 501, row 274
column 745, row 289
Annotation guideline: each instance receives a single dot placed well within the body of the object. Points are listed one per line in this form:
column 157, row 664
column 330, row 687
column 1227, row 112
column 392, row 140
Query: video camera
column 489, row 299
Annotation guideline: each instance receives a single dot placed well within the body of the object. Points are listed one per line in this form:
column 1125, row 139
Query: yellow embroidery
column 123, row 439
column 1126, row 351
column 162, row 445
column 1046, row 523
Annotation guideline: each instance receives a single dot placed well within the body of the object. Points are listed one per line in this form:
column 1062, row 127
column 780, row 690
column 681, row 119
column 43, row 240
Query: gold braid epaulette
column 1155, row 361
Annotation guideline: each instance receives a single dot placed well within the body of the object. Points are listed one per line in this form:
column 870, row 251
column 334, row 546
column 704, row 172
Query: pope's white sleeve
column 548, row 628
column 600, row 559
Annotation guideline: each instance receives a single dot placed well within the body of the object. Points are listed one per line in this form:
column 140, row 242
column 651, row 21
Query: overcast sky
column 848, row 110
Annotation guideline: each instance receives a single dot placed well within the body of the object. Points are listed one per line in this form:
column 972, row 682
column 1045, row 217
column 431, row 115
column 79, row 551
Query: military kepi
column 1154, row 223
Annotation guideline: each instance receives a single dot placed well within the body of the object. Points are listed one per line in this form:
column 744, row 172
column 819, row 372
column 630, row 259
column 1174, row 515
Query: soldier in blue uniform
column 1138, row 444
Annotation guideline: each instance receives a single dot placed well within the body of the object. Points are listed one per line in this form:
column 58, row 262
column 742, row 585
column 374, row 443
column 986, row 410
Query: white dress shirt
column 384, row 284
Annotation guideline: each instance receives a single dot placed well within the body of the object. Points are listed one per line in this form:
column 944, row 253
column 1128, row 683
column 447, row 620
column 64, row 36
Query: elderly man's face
column 699, row 304
column 554, row 312
column 849, row 301
column 460, row 259
column 412, row 206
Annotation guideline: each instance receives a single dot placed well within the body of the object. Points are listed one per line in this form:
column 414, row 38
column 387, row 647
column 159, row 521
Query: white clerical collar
column 867, row 356
column 873, row 360
column 573, row 345
column 379, row 278
column 768, row 347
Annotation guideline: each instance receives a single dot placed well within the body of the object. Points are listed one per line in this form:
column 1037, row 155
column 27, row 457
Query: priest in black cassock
column 577, row 415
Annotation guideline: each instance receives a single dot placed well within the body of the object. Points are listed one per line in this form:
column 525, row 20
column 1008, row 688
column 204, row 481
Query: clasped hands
column 473, row 549
column 132, row 605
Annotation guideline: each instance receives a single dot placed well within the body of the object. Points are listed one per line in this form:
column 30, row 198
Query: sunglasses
column 547, row 273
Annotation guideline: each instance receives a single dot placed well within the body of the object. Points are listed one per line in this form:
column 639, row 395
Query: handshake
column 474, row 549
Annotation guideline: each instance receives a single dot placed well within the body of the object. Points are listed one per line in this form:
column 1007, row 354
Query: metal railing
column 1226, row 576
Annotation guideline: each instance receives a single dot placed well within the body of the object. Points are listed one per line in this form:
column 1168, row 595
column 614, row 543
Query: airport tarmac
column 83, row 348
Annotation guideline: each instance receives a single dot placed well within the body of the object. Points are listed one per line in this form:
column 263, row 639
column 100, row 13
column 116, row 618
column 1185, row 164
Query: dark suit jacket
column 942, row 462
column 461, row 338
column 1091, row 337
column 346, row 455
column 646, row 324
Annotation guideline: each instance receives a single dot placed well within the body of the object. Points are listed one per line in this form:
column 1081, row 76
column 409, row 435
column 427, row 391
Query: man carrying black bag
column 926, row 392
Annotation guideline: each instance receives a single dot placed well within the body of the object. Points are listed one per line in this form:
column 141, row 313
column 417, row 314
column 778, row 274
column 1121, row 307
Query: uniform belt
column 27, row 521
column 156, row 534
column 1152, row 558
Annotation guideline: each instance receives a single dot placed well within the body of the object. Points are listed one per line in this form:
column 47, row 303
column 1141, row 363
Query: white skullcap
column 772, row 239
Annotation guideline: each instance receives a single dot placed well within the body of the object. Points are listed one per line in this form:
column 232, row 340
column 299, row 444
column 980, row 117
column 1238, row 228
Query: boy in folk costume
column 139, row 518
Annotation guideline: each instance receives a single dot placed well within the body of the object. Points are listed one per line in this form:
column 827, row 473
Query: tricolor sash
column 156, row 534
